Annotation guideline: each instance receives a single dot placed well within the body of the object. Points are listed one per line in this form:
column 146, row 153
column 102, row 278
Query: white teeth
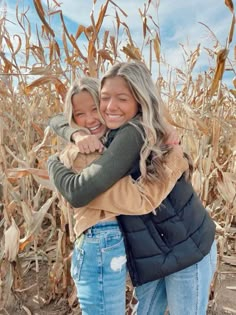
column 94, row 128
column 113, row 116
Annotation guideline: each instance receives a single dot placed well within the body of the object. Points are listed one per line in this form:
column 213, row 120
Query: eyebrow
column 119, row 94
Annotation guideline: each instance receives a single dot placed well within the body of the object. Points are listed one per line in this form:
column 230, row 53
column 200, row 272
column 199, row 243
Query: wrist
column 77, row 135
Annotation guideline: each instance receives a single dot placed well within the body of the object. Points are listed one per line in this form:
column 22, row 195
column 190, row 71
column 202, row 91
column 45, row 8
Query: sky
column 179, row 24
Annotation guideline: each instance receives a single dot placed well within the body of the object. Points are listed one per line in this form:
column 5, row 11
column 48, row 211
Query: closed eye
column 78, row 114
column 104, row 99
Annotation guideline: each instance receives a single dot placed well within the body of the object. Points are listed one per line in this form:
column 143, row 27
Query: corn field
column 35, row 229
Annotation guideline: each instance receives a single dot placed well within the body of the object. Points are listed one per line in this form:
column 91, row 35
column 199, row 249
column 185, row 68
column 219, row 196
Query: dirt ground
column 32, row 301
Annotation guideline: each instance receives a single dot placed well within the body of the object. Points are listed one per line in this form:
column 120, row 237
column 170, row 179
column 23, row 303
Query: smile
column 113, row 116
column 94, row 128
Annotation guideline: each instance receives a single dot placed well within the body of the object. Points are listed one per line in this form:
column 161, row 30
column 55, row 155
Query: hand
column 87, row 143
column 172, row 136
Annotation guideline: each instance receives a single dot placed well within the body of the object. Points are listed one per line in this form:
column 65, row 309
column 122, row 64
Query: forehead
column 115, row 84
column 82, row 100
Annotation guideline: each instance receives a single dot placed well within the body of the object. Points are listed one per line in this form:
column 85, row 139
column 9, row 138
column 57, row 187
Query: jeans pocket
column 112, row 241
column 76, row 263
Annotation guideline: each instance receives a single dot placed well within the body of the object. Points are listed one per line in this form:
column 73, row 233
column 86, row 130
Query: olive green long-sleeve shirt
column 126, row 196
column 60, row 126
column 114, row 163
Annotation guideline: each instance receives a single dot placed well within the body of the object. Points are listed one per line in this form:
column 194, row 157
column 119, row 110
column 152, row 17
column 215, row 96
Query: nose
column 111, row 105
column 90, row 119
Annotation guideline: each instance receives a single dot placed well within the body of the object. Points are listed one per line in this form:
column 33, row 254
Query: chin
column 114, row 125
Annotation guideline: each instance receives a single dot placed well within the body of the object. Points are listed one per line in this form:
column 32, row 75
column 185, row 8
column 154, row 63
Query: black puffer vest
column 179, row 235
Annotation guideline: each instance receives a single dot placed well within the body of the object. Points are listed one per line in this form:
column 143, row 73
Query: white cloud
column 178, row 21
column 179, row 24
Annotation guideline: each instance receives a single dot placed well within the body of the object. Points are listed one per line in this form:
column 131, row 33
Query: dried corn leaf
column 80, row 30
column 9, row 43
column 220, row 67
column 203, row 127
column 101, row 16
column 132, row 52
column 40, row 11
column 73, row 42
column 231, row 32
column 16, row 173
column 105, row 55
column 45, row 135
column 194, row 58
column 230, row 5
column 46, row 183
column 12, row 238
column 44, row 70
column 234, row 82
column 197, row 181
column 65, row 46
column 233, row 92
column 207, row 162
column 157, row 47
column 226, row 187
column 39, row 55
column 72, row 297
column 34, row 221
column 216, row 132
column 122, row 11
column 229, row 260
column 105, row 39
column 92, row 65
column 60, row 88
column 231, row 288
column 144, row 19
column 6, row 282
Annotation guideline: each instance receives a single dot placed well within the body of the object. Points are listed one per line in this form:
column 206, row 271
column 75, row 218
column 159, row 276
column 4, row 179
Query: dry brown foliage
column 33, row 226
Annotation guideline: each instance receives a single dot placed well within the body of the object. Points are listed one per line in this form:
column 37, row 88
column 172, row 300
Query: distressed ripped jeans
column 98, row 269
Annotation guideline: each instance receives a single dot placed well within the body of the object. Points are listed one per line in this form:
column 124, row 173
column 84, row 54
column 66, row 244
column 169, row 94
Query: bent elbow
column 77, row 201
column 75, row 204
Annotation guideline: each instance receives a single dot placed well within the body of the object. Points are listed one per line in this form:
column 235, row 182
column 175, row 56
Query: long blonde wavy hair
column 142, row 87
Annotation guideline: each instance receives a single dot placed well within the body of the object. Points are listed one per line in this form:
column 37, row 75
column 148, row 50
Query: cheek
column 96, row 117
column 135, row 109
column 79, row 121
column 102, row 107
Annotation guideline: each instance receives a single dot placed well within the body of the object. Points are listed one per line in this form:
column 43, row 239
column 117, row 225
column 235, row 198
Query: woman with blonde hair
column 99, row 260
column 171, row 255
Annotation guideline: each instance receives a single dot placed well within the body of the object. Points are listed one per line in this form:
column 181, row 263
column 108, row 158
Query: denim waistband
column 102, row 226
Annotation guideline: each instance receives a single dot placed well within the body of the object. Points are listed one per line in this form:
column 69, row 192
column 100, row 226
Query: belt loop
column 80, row 240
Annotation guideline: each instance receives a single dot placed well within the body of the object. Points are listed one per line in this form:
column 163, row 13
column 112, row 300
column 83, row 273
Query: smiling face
column 85, row 113
column 117, row 104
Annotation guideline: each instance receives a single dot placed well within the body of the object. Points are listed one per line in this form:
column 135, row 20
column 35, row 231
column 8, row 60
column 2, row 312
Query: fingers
column 89, row 144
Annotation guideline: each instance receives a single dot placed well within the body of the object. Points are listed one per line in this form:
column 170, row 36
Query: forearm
column 115, row 163
column 61, row 127
column 131, row 198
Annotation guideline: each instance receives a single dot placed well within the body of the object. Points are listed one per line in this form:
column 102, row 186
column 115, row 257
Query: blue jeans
column 99, row 270
column 183, row 292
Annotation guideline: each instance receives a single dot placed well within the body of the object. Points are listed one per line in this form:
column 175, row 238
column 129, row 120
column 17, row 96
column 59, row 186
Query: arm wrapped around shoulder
column 176, row 162
column 131, row 197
